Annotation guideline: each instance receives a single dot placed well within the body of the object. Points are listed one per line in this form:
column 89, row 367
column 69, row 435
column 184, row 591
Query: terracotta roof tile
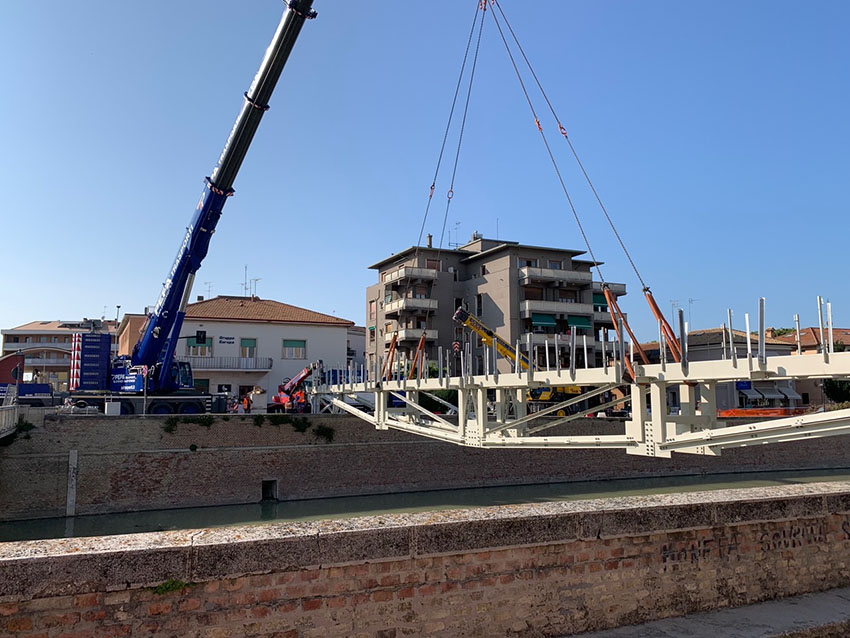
column 810, row 337
column 228, row 308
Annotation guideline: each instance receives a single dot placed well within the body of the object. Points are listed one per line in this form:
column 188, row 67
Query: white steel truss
column 493, row 409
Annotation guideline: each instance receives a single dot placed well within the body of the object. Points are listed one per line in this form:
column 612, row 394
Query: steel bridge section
column 493, row 409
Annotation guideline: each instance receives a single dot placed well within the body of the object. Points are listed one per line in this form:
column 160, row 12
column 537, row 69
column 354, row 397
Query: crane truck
column 279, row 402
column 151, row 379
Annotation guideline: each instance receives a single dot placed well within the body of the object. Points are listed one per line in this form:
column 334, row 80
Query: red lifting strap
column 675, row 346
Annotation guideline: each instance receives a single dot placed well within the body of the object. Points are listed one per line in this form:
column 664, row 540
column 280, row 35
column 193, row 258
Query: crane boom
column 490, row 338
column 157, row 344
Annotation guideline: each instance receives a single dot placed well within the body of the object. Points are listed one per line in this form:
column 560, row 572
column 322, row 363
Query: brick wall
column 532, row 570
column 133, row 464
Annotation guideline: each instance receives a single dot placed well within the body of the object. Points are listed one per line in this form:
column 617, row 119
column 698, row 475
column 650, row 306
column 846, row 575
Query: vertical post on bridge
column 732, row 340
column 762, row 351
column 749, row 341
column 683, row 340
column 799, row 339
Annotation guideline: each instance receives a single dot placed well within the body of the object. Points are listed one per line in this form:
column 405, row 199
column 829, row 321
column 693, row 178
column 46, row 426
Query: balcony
column 411, row 334
column 409, row 272
column 617, row 289
column 229, row 363
column 41, row 361
column 528, row 307
column 527, row 274
column 410, row 304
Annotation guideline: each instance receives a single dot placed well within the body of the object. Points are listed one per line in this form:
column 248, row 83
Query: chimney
column 200, row 297
column 430, row 237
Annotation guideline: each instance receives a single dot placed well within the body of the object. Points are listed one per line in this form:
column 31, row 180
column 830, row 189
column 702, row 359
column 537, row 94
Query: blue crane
column 157, row 345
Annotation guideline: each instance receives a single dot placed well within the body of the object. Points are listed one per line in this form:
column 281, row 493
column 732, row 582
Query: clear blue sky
column 717, row 133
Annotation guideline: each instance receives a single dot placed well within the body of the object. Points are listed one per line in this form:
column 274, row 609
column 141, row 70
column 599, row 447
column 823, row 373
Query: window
column 248, row 348
column 44, row 339
column 554, row 264
column 14, row 339
column 432, row 263
column 194, row 348
column 202, row 385
column 523, row 262
column 372, row 310
column 483, row 270
column 532, row 293
column 479, row 305
column 420, row 292
column 55, row 339
column 294, row 349
column 28, row 339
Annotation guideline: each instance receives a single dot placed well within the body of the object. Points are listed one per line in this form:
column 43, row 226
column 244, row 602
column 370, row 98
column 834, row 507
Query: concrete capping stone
column 770, row 509
column 79, row 565
column 455, row 537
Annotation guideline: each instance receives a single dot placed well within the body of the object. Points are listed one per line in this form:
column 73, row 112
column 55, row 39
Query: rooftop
column 233, row 308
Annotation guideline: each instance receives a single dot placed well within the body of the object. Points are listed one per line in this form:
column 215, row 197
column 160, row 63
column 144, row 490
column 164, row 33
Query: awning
column 791, row 394
column 547, row 321
column 751, row 394
column 770, row 392
column 599, row 299
column 579, row 322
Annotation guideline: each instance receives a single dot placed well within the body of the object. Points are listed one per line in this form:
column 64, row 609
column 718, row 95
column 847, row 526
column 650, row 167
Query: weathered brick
column 311, row 604
column 189, row 604
column 19, row 624
column 87, row 600
column 160, row 609
column 9, row 609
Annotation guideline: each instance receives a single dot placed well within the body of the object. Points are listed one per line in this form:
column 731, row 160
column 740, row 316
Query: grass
column 171, row 585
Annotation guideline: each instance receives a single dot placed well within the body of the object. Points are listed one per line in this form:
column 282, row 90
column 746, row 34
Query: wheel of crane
column 161, row 407
column 191, row 407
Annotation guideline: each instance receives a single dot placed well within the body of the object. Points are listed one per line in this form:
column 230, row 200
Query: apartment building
column 46, row 346
column 251, row 344
column 515, row 289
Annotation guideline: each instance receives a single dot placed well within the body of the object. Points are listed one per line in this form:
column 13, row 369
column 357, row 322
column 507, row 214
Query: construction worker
column 299, row 398
column 247, row 402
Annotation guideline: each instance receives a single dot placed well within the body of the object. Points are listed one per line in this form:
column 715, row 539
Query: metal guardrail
column 230, row 363
column 8, row 419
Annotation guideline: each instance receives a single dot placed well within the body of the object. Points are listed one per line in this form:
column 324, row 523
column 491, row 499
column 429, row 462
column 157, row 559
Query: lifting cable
column 616, row 314
column 656, row 311
column 481, row 7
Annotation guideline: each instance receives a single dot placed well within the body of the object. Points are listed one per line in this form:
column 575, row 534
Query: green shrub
column 325, row 432
column 225, row 418
column 193, row 448
column 204, row 420
column 171, row 585
column 170, row 424
column 23, row 425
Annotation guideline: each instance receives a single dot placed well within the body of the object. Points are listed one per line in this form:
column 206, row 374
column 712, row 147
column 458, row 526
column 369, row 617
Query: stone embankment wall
column 532, row 570
column 132, row 463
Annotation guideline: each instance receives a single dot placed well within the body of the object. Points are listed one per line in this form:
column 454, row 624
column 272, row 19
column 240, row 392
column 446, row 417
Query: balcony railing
column 539, row 339
column 410, row 304
column 409, row 272
column 554, row 307
column 527, row 274
column 230, row 363
column 411, row 334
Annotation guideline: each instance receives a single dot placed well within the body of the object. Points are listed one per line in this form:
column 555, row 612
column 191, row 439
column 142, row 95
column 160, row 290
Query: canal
column 346, row 507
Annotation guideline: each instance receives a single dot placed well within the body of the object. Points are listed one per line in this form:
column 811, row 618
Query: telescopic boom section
column 160, row 336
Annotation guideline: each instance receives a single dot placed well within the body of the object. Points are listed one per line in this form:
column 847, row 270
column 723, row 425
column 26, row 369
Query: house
column 811, row 343
column 251, row 344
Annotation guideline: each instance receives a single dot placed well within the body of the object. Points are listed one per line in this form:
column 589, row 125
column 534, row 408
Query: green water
column 350, row 506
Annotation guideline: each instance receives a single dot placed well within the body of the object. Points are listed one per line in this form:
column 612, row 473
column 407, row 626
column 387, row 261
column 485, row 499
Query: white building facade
column 253, row 345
